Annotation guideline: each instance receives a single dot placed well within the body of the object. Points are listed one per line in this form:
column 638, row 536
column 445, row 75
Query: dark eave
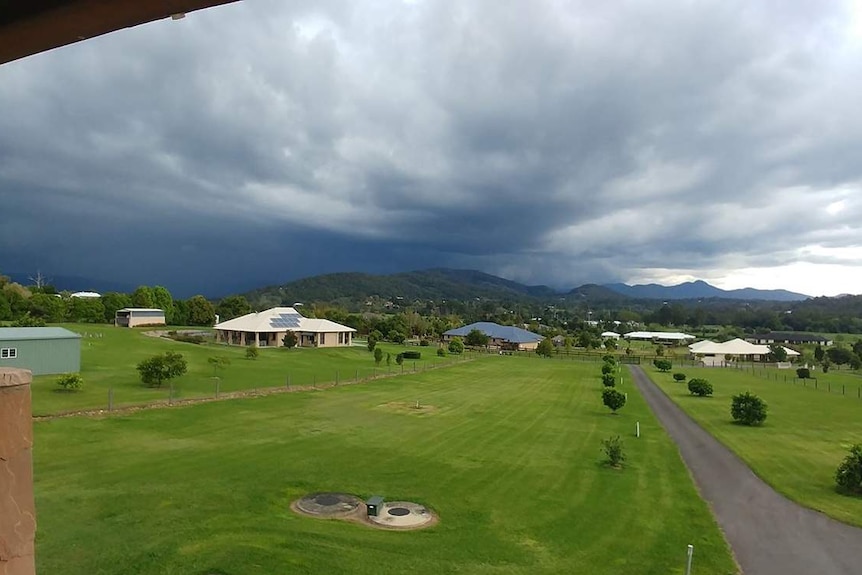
column 32, row 26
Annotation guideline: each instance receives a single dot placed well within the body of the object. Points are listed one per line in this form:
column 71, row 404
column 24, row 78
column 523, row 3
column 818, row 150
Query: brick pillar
column 17, row 508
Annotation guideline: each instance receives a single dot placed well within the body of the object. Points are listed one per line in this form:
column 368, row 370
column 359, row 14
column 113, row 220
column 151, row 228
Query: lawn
column 806, row 435
column 507, row 453
column 109, row 356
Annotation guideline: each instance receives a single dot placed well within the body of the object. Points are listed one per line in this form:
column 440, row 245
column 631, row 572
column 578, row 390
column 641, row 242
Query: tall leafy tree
column 143, row 297
column 114, row 301
column 232, row 306
column 477, row 338
column 201, row 311
column 48, row 307
column 5, row 307
column 181, row 312
column 86, row 310
column 163, row 300
column 545, row 348
column 161, row 368
column 818, row 353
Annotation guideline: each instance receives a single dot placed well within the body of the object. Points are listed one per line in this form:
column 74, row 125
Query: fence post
column 110, row 399
column 356, row 377
column 336, row 378
column 217, row 382
column 288, row 381
column 17, row 506
column 688, row 560
column 842, row 389
column 171, row 395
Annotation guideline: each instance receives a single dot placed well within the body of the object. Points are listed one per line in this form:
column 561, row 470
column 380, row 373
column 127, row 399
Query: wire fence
column 218, row 388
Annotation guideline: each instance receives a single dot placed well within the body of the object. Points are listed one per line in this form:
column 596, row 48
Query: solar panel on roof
column 286, row 320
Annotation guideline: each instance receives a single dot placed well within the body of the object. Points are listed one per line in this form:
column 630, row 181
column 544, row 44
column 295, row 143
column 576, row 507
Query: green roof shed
column 42, row 350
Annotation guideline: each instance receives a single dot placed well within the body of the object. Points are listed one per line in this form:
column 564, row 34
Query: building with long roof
column 672, row 337
column 268, row 328
column 719, row 354
column 42, row 350
column 501, row 336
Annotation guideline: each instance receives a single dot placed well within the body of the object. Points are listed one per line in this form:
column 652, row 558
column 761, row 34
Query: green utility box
column 373, row 505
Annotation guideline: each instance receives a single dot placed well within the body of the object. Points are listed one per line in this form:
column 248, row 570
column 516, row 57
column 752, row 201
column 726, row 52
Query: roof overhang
column 31, row 26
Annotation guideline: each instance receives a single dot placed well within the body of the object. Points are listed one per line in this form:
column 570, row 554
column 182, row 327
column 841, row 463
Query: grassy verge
column 507, row 452
column 805, row 437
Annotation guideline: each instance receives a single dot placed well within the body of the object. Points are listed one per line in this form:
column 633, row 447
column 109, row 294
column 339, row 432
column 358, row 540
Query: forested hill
column 434, row 284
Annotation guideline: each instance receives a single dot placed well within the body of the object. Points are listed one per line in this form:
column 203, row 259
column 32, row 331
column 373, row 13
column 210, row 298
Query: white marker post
column 638, row 429
column 688, row 564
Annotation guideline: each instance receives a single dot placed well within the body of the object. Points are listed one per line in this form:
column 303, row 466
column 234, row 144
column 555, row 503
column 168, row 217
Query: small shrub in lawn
column 613, row 448
column 699, row 387
column 748, row 409
column 662, row 364
column 609, row 358
column 613, row 399
column 606, row 369
column 412, row 354
column 251, row 352
column 456, row 345
column 679, row 377
column 848, row 477
column 399, row 359
column 608, row 380
column 424, row 343
column 71, row 381
column 441, row 352
column 803, row 373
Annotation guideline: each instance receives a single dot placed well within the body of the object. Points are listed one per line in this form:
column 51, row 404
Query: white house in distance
column 137, row 316
column 671, row 337
column 86, row 295
column 268, row 328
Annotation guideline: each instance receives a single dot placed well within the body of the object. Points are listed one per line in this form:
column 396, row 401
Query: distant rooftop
column 666, row 335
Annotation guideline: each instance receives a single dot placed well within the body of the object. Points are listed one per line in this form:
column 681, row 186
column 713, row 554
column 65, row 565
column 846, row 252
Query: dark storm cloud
column 557, row 142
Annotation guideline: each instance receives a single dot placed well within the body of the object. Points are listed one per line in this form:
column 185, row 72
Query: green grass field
column 109, row 356
column 806, row 435
column 507, row 453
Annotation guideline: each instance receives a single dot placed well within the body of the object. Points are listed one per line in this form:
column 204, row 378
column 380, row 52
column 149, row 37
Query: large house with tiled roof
column 268, row 328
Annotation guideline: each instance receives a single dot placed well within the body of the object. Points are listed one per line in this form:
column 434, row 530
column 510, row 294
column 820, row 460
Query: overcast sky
column 541, row 140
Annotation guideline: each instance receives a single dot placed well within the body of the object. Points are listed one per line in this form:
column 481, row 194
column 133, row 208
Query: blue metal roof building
column 505, row 336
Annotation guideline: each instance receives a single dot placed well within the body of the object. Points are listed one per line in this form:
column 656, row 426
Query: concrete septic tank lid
column 404, row 515
column 328, row 504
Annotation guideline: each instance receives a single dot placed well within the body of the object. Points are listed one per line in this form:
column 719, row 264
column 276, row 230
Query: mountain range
column 451, row 284
column 701, row 290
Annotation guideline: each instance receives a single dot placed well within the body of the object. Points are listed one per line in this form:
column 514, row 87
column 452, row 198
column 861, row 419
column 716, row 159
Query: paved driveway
column 769, row 534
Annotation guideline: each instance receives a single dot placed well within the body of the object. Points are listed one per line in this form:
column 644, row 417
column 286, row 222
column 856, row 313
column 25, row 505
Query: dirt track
column 769, row 534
